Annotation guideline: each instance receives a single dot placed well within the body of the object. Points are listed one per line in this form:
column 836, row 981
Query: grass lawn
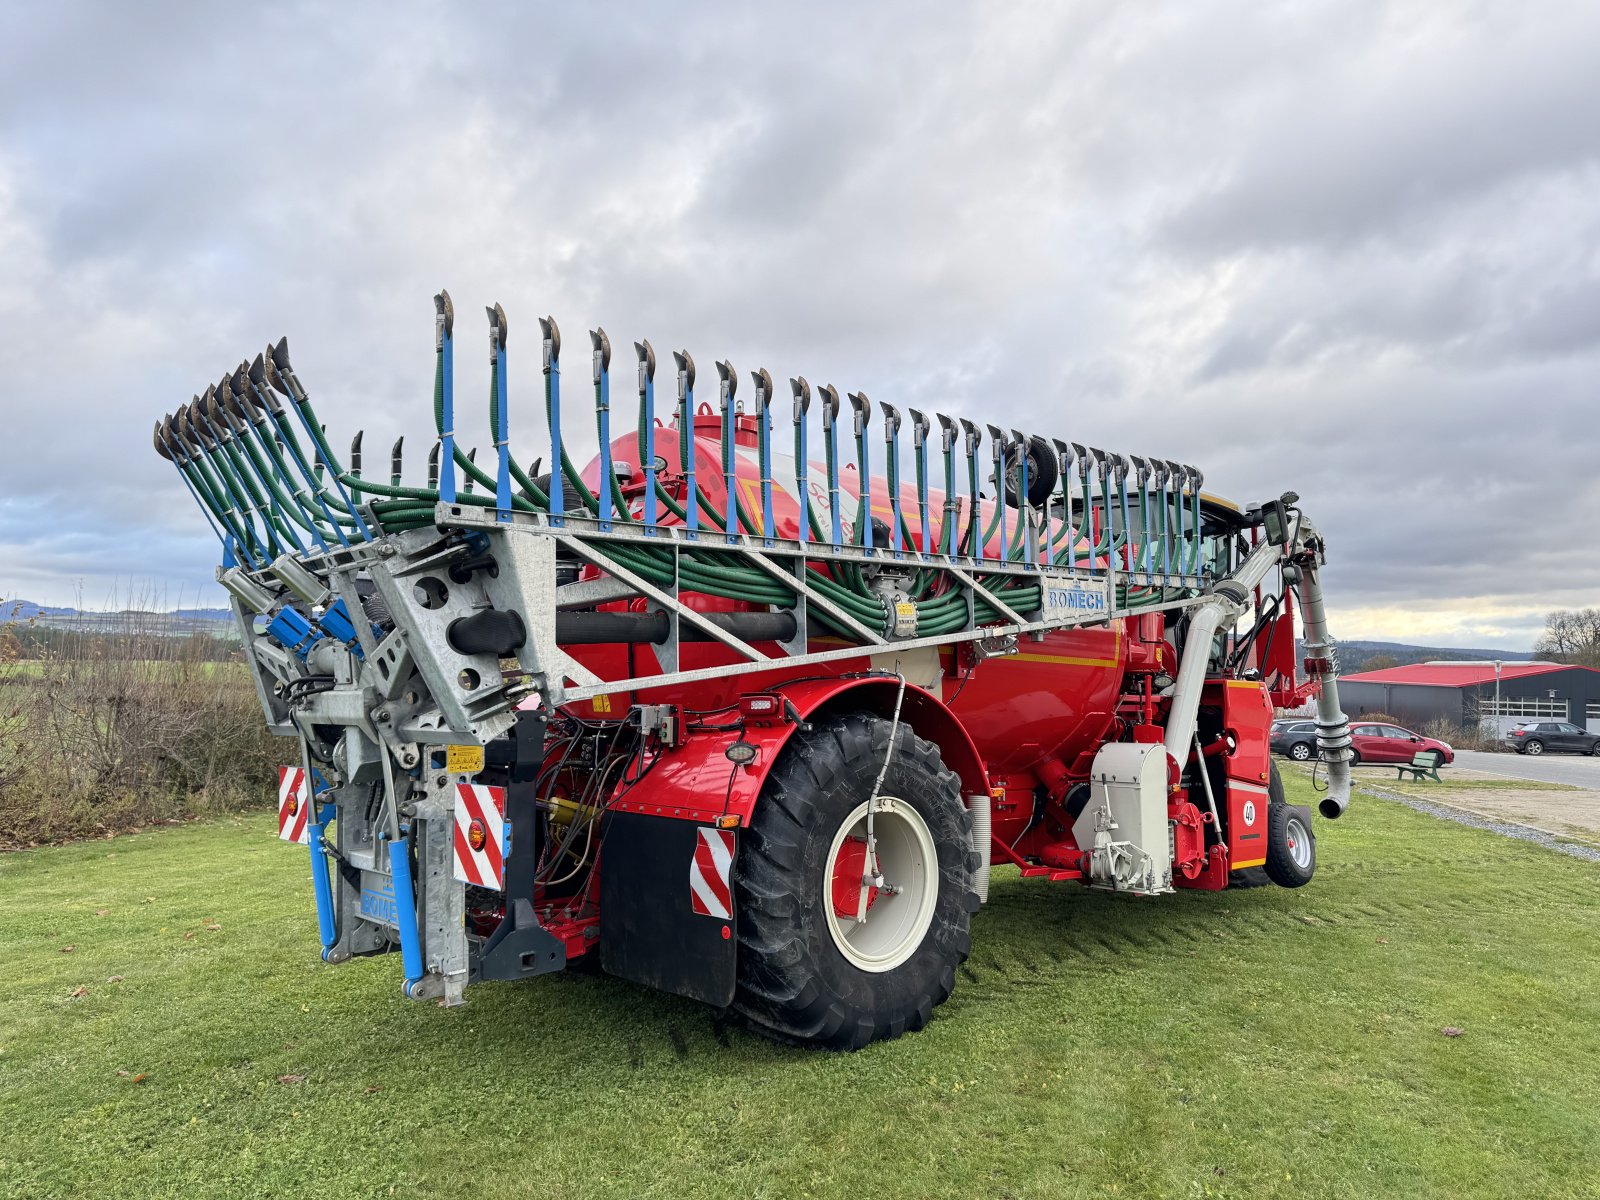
column 1253, row 1043
column 1445, row 785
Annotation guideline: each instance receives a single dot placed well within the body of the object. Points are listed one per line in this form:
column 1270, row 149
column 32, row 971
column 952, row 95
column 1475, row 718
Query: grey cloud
column 1470, row 101
column 1349, row 249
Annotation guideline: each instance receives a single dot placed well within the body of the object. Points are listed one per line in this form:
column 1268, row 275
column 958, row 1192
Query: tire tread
column 780, row 990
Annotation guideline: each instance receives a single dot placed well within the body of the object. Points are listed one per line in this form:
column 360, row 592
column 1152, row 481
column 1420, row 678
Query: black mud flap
column 666, row 905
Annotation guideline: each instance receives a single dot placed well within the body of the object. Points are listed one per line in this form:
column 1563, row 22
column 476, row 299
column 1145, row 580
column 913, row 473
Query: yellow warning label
column 602, row 704
column 463, row 760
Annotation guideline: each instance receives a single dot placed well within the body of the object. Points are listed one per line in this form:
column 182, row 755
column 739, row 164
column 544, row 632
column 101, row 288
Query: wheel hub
column 1298, row 842
column 849, row 869
column 880, row 896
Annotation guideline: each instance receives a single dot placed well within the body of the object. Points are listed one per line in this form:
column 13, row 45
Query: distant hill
column 172, row 623
column 27, row 610
column 1353, row 656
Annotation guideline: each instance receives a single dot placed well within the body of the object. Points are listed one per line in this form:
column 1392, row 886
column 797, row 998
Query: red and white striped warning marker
column 294, row 805
column 481, row 835
column 709, row 891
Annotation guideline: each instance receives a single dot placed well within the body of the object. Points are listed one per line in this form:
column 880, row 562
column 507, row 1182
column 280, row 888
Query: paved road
column 1575, row 769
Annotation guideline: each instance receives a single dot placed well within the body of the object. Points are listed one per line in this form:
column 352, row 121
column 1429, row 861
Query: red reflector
column 477, row 835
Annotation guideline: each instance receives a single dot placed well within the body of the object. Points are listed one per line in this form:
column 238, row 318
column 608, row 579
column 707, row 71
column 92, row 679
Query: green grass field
column 1446, row 785
column 1253, row 1043
column 1446, row 789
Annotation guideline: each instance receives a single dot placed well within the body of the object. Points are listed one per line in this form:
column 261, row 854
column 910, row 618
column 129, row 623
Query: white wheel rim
column 1535, row 748
column 896, row 920
column 1299, row 838
column 1300, row 751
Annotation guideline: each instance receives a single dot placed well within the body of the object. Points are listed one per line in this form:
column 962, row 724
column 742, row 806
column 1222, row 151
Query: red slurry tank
column 1034, row 713
column 1030, row 712
column 746, row 718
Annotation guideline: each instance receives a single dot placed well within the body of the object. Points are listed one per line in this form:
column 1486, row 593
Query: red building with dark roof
column 1465, row 693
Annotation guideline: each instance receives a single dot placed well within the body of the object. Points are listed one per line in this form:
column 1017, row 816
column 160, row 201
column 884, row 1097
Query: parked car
column 1392, row 744
column 1370, row 742
column 1294, row 736
column 1554, row 737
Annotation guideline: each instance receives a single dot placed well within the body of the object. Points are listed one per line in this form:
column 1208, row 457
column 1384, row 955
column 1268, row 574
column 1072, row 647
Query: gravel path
column 1510, row 829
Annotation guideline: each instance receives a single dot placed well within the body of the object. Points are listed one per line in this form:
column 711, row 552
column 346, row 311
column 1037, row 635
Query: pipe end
column 763, row 381
column 685, row 362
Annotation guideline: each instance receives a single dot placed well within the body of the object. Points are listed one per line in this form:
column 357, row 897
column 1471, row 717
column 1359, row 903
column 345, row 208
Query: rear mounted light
column 760, row 705
column 477, row 835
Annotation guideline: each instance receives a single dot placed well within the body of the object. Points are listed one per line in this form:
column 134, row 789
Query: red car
column 1391, row 744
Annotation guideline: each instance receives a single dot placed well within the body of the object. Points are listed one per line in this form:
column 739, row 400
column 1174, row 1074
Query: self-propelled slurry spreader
column 750, row 725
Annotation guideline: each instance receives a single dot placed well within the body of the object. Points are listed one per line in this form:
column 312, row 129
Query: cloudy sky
column 1345, row 248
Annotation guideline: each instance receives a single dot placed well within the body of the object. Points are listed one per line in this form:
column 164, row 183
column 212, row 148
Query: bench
column 1425, row 765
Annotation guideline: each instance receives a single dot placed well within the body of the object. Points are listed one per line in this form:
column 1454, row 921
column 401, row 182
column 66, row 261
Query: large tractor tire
column 1249, row 877
column 1044, row 472
column 571, row 498
column 809, row 971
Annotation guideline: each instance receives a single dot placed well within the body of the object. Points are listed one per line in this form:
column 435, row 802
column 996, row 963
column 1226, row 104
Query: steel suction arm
column 1303, row 571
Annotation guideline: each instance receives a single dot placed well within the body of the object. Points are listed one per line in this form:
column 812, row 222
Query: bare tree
column 1571, row 636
